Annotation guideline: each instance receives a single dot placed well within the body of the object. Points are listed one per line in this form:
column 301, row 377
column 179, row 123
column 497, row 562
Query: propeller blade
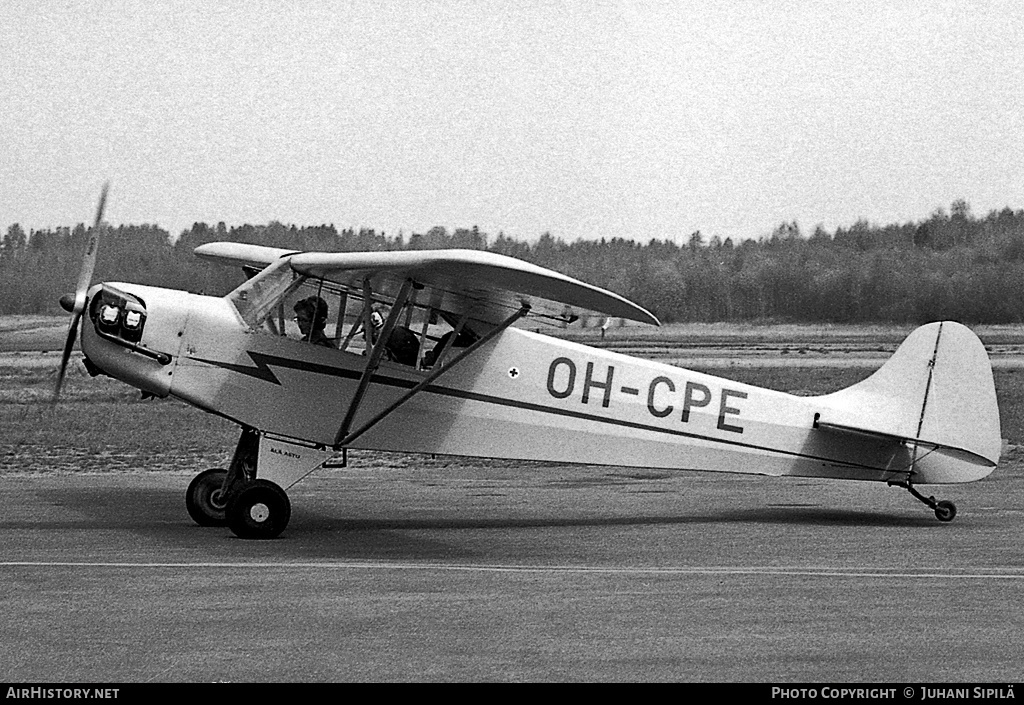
column 89, row 260
column 69, row 343
column 84, row 279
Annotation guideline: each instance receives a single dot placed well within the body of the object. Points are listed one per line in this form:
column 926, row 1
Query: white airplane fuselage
column 522, row 395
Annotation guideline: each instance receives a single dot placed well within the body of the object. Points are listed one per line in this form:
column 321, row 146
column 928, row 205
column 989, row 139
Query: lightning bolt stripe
column 262, row 362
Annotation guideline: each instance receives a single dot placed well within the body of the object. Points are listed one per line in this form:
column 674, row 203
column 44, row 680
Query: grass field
column 103, row 425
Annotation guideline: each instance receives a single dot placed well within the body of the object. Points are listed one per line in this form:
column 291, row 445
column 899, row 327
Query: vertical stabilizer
column 936, row 390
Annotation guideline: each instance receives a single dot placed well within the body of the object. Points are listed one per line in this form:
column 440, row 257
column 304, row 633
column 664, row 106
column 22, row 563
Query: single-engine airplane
column 304, row 388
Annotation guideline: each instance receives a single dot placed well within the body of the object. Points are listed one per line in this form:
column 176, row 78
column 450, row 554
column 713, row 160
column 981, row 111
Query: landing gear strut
column 251, row 508
column 944, row 510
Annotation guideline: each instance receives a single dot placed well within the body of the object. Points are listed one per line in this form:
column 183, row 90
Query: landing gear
column 944, row 510
column 260, row 510
column 252, row 508
column 205, row 498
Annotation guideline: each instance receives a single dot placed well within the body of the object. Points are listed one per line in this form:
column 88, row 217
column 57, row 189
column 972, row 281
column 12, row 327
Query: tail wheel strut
column 944, row 509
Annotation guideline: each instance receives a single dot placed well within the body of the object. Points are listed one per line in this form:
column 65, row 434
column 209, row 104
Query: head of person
column 311, row 314
column 377, row 319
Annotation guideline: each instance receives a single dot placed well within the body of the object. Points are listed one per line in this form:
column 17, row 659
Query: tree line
column 951, row 265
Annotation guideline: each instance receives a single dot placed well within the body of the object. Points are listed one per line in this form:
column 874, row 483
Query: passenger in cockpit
column 402, row 345
column 311, row 316
column 465, row 338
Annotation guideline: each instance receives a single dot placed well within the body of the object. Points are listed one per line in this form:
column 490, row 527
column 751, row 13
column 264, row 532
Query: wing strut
column 376, row 352
column 455, row 336
column 344, row 440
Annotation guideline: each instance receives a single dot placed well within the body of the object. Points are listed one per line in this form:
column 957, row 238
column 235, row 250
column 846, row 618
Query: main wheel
column 204, row 500
column 260, row 510
column 945, row 511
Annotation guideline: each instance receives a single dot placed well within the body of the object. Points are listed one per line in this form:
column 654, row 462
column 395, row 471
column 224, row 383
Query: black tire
column 260, row 510
column 945, row 511
column 203, row 498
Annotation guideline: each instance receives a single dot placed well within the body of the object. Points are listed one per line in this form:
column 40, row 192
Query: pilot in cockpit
column 311, row 317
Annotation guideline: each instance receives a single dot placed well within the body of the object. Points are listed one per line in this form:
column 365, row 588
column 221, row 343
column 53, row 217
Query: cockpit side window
column 312, row 311
column 449, row 333
column 278, row 301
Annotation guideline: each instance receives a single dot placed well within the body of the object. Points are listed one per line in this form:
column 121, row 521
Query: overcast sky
column 583, row 119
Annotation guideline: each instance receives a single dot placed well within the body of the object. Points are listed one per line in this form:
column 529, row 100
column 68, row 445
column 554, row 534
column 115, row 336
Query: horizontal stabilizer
column 963, row 454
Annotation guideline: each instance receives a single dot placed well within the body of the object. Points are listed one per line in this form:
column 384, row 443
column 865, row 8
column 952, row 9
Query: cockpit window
column 315, row 312
column 278, row 301
column 256, row 298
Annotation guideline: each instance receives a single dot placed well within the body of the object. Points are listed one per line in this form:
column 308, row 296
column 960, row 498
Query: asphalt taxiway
column 535, row 573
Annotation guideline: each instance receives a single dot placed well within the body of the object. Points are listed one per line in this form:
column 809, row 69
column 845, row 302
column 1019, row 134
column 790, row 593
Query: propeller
column 77, row 306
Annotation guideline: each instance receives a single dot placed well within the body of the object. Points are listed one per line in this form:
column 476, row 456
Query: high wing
column 241, row 254
column 486, row 286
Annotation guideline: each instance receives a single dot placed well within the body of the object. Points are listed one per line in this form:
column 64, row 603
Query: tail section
column 936, row 395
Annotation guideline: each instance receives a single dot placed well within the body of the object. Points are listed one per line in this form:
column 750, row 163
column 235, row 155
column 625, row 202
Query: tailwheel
column 259, row 510
column 945, row 510
column 205, row 498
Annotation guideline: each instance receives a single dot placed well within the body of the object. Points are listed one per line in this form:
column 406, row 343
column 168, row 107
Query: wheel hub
column 259, row 512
